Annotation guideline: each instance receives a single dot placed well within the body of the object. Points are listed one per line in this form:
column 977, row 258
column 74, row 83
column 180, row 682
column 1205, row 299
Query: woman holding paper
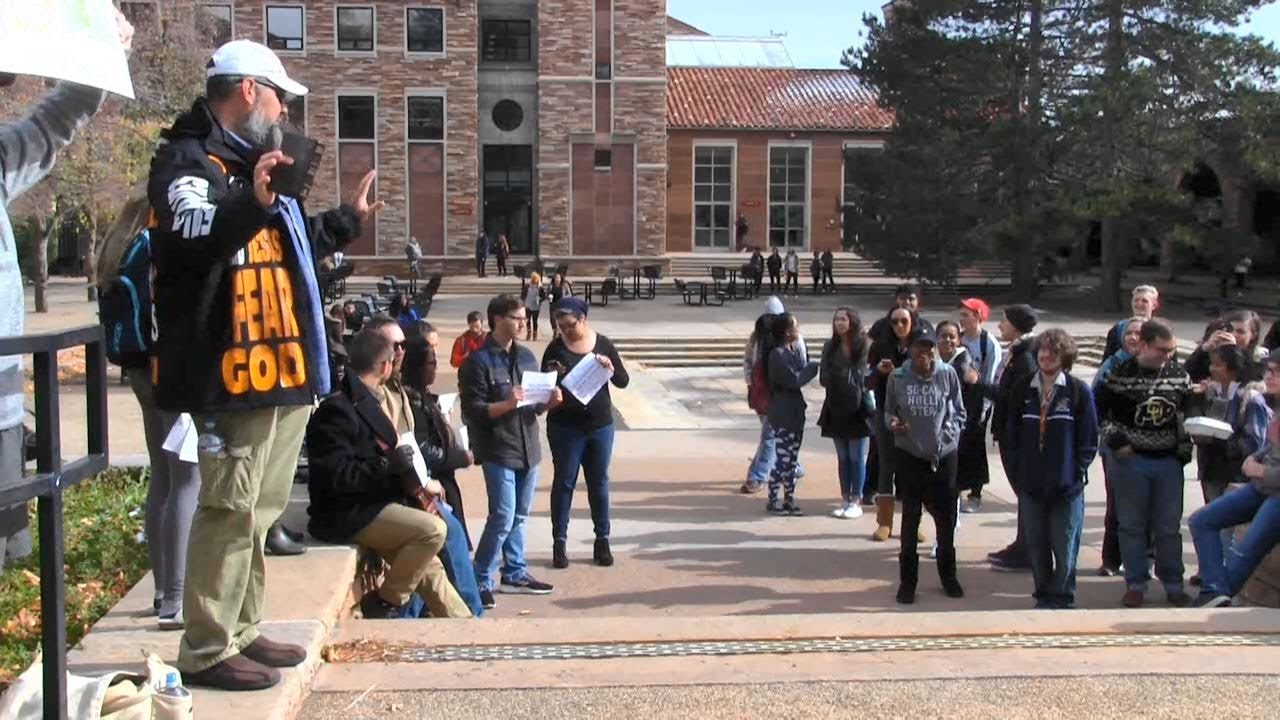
column 580, row 431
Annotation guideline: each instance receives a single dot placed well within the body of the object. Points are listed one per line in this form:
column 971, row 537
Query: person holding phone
column 887, row 354
column 924, row 409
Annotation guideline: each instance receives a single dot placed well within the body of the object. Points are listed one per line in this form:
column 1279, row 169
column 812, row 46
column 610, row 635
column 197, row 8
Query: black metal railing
column 53, row 477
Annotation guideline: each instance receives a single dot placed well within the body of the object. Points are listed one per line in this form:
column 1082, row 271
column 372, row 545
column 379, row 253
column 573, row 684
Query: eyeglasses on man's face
column 517, row 319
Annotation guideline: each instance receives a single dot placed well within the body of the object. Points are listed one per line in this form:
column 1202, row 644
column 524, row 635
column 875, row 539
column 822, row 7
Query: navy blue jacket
column 1056, row 466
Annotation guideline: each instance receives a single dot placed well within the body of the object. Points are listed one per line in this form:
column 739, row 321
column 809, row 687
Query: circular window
column 508, row 115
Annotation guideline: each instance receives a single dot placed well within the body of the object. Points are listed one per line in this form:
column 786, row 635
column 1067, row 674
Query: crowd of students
column 909, row 407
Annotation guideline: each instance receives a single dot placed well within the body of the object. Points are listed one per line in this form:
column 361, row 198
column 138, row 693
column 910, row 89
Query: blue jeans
column 1245, row 504
column 1148, row 498
column 852, row 456
column 766, row 455
column 572, row 449
column 457, row 565
column 510, row 497
column 1051, row 530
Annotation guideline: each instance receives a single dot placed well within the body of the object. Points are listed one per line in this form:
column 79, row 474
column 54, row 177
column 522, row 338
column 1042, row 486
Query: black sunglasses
column 281, row 95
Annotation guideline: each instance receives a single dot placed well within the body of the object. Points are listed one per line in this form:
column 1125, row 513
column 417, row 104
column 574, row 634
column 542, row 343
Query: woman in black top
column 846, row 415
column 887, row 354
column 559, row 290
column 580, row 435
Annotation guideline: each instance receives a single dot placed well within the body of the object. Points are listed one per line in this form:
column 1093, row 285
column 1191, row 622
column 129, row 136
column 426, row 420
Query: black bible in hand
column 295, row 180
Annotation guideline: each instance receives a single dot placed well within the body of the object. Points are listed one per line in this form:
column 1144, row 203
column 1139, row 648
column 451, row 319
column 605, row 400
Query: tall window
column 286, row 28
column 215, row 23
column 355, row 29
column 298, row 113
column 424, row 30
column 426, row 118
column 788, row 195
column 357, row 155
column 506, row 40
column 426, row 169
column 712, row 197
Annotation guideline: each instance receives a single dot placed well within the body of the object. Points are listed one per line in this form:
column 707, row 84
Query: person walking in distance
column 984, row 355
column 774, row 263
column 815, row 270
column 1019, row 364
column 483, row 245
column 534, row 296
column 792, row 265
column 926, row 415
column 1052, row 438
column 848, row 411
column 248, row 372
column 581, row 434
column 789, row 371
column 1142, row 403
column 501, row 252
column 504, row 438
column 829, row 270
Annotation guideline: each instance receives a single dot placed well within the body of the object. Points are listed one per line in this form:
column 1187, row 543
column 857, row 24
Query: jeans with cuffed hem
column 510, row 497
column 851, row 454
column 1051, row 529
column 766, row 454
column 1148, row 499
column 573, row 450
column 1225, row 572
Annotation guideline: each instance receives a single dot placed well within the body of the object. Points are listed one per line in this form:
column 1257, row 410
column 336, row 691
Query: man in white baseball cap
column 240, row 345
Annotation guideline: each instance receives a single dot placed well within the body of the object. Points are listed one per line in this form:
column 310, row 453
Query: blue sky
column 818, row 30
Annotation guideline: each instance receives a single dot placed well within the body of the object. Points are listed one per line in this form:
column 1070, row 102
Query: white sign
column 538, row 387
column 74, row 40
column 586, row 378
column 419, row 462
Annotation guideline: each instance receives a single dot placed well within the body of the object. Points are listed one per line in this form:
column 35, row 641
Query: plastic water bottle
column 209, row 441
column 172, row 700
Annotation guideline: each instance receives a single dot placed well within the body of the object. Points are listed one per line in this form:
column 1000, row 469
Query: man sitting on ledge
column 362, row 487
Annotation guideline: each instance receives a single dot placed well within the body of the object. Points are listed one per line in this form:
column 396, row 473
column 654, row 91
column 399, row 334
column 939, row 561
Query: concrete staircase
column 682, row 352
column 848, row 266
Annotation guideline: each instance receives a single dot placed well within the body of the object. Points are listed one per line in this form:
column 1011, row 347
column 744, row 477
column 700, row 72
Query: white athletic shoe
column 840, row 512
column 853, row 512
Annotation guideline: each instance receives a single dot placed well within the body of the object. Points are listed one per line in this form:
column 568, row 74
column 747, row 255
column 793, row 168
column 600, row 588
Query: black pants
column 1017, row 545
column 480, row 261
column 1110, row 524
column 973, row 470
column 829, row 278
column 817, row 280
column 925, row 487
column 775, row 279
column 502, row 266
column 793, row 282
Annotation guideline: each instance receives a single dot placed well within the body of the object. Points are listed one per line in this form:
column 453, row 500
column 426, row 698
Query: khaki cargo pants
column 411, row 539
column 244, row 489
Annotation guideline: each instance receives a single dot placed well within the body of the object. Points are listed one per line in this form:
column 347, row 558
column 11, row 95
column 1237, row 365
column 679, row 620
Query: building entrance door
column 508, row 195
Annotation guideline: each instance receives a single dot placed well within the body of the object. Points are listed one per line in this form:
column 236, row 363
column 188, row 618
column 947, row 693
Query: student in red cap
column 985, row 355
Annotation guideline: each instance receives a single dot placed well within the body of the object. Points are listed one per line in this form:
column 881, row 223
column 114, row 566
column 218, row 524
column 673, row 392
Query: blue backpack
column 124, row 307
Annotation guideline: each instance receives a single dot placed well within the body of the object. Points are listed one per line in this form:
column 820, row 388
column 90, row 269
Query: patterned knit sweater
column 1144, row 409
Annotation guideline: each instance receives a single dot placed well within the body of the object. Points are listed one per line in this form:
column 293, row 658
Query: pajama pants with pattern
column 784, row 469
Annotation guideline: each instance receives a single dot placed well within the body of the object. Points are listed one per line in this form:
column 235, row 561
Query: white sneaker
column 933, row 554
column 840, row 512
column 853, row 512
column 171, row 622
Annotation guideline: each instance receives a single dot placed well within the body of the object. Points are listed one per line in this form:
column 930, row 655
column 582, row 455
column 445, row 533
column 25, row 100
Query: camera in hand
column 295, row 180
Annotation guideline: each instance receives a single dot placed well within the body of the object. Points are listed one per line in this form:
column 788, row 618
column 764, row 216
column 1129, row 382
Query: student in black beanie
column 1019, row 365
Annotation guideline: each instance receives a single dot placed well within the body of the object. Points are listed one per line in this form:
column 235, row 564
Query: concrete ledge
column 305, row 595
column 744, row 669
column 518, row 631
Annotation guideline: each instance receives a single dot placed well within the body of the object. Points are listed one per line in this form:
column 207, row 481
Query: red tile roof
column 771, row 99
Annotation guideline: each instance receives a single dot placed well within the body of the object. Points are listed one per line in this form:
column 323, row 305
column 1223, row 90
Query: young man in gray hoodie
column 925, row 410
column 28, row 148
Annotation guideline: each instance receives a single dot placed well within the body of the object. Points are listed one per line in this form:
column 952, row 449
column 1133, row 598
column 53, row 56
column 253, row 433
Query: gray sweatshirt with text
column 932, row 407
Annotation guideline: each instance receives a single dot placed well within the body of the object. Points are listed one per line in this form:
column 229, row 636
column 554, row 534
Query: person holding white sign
column 28, row 147
column 580, row 431
column 504, row 438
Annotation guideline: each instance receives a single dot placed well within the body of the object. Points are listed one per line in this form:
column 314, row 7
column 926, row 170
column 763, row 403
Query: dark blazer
column 348, row 439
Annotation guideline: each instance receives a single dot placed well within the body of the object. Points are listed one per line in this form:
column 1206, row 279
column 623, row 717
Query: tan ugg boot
column 884, row 518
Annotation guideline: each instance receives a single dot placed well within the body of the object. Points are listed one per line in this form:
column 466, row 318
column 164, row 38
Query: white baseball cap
column 250, row 59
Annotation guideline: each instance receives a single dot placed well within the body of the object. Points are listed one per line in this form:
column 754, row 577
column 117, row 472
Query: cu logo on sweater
column 1155, row 412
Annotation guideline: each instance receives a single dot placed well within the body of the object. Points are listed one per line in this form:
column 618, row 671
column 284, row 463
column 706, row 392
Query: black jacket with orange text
column 237, row 323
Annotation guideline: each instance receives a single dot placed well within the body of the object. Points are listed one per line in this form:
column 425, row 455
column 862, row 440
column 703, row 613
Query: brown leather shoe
column 1132, row 599
column 235, row 673
column 274, row 654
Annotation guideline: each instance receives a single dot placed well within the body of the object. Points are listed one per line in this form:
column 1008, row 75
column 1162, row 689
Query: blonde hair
column 535, row 279
column 1146, row 290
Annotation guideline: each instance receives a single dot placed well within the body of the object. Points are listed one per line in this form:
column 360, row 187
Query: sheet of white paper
column 183, row 440
column 537, row 388
column 586, row 378
column 419, row 462
column 447, row 401
column 74, row 40
column 464, row 439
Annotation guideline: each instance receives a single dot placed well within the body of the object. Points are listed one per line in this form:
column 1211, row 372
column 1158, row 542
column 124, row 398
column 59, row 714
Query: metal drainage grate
column 600, row 651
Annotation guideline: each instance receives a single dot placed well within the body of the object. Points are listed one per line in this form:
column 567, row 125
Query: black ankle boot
column 559, row 558
column 947, row 573
column 602, row 555
column 909, row 574
column 278, row 542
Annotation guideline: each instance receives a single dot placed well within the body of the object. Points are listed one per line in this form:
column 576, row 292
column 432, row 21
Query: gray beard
column 256, row 129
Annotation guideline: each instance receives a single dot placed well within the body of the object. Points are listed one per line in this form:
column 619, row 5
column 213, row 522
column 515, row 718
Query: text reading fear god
column 266, row 350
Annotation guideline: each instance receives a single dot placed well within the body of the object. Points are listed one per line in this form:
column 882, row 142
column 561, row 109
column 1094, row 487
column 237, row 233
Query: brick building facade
column 539, row 119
